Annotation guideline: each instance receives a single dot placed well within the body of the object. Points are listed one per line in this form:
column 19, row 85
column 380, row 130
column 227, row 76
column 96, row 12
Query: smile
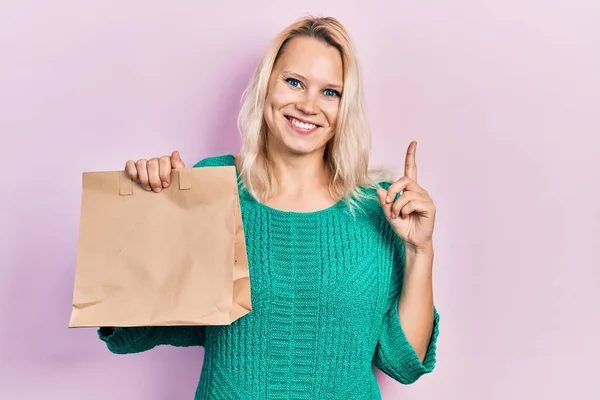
column 301, row 127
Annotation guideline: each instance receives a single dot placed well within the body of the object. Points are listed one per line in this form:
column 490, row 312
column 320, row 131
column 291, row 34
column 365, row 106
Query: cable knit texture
column 325, row 287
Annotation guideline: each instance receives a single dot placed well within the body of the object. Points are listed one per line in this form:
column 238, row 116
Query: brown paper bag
column 177, row 257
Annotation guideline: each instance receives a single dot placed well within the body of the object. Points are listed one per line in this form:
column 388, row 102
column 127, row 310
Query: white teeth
column 303, row 125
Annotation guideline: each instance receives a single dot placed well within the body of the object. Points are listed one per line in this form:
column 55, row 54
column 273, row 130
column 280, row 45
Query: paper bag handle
column 185, row 178
column 126, row 183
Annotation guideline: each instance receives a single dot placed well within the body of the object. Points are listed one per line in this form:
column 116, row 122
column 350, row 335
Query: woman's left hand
column 412, row 215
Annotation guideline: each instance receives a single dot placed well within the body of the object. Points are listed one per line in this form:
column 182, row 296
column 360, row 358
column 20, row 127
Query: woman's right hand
column 155, row 173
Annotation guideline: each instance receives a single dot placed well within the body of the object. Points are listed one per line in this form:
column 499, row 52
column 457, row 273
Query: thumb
column 387, row 207
column 176, row 161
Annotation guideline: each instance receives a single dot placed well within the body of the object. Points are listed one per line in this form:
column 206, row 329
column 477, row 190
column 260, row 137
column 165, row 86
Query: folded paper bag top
column 177, row 257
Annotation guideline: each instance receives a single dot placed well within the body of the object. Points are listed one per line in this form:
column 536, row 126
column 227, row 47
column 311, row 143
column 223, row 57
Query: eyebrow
column 336, row 86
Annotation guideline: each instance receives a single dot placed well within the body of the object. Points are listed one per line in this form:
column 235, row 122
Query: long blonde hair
column 346, row 154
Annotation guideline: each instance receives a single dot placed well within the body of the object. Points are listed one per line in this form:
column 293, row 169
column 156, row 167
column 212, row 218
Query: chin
column 301, row 152
column 304, row 146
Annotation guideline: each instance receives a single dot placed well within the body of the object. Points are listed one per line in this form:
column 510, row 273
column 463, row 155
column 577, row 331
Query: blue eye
column 294, row 82
column 331, row 93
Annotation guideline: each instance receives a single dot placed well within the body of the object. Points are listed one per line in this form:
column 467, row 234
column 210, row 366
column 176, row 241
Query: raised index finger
column 410, row 165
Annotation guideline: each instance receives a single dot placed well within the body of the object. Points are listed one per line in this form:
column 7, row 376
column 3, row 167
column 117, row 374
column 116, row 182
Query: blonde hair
column 346, row 154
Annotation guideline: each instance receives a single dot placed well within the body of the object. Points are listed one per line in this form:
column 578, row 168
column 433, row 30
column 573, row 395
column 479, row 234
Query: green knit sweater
column 325, row 287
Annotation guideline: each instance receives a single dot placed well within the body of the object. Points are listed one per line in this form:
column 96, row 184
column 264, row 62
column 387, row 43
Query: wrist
column 420, row 257
column 425, row 250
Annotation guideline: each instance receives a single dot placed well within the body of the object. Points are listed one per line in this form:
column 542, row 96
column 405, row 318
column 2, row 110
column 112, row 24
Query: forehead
column 312, row 59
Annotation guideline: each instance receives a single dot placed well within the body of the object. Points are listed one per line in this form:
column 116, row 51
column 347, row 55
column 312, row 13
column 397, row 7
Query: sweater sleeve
column 394, row 354
column 129, row 340
column 396, row 357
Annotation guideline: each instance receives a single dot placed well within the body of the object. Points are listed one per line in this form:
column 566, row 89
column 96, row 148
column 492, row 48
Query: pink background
column 503, row 97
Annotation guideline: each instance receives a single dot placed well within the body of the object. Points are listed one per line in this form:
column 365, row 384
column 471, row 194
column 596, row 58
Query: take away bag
column 177, row 257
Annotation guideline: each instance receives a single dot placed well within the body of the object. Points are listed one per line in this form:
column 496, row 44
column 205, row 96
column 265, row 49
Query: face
column 301, row 107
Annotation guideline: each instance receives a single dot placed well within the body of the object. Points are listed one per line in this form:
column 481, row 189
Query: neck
column 299, row 175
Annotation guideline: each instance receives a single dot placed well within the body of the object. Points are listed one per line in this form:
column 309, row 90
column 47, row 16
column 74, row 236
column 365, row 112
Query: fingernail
column 156, row 189
column 388, row 199
column 165, row 184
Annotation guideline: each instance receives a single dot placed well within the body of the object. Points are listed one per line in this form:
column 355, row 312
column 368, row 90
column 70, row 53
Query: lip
column 301, row 131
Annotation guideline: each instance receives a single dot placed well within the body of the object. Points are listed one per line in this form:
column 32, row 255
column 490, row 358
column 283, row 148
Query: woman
column 340, row 262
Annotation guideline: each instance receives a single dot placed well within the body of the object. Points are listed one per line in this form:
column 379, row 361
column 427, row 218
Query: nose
column 308, row 105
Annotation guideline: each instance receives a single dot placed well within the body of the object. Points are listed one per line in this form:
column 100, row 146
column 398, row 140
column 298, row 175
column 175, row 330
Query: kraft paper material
column 177, row 257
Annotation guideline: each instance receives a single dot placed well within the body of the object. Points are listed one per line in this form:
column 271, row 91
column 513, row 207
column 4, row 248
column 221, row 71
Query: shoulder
column 225, row 160
column 385, row 184
column 368, row 207
column 367, row 195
